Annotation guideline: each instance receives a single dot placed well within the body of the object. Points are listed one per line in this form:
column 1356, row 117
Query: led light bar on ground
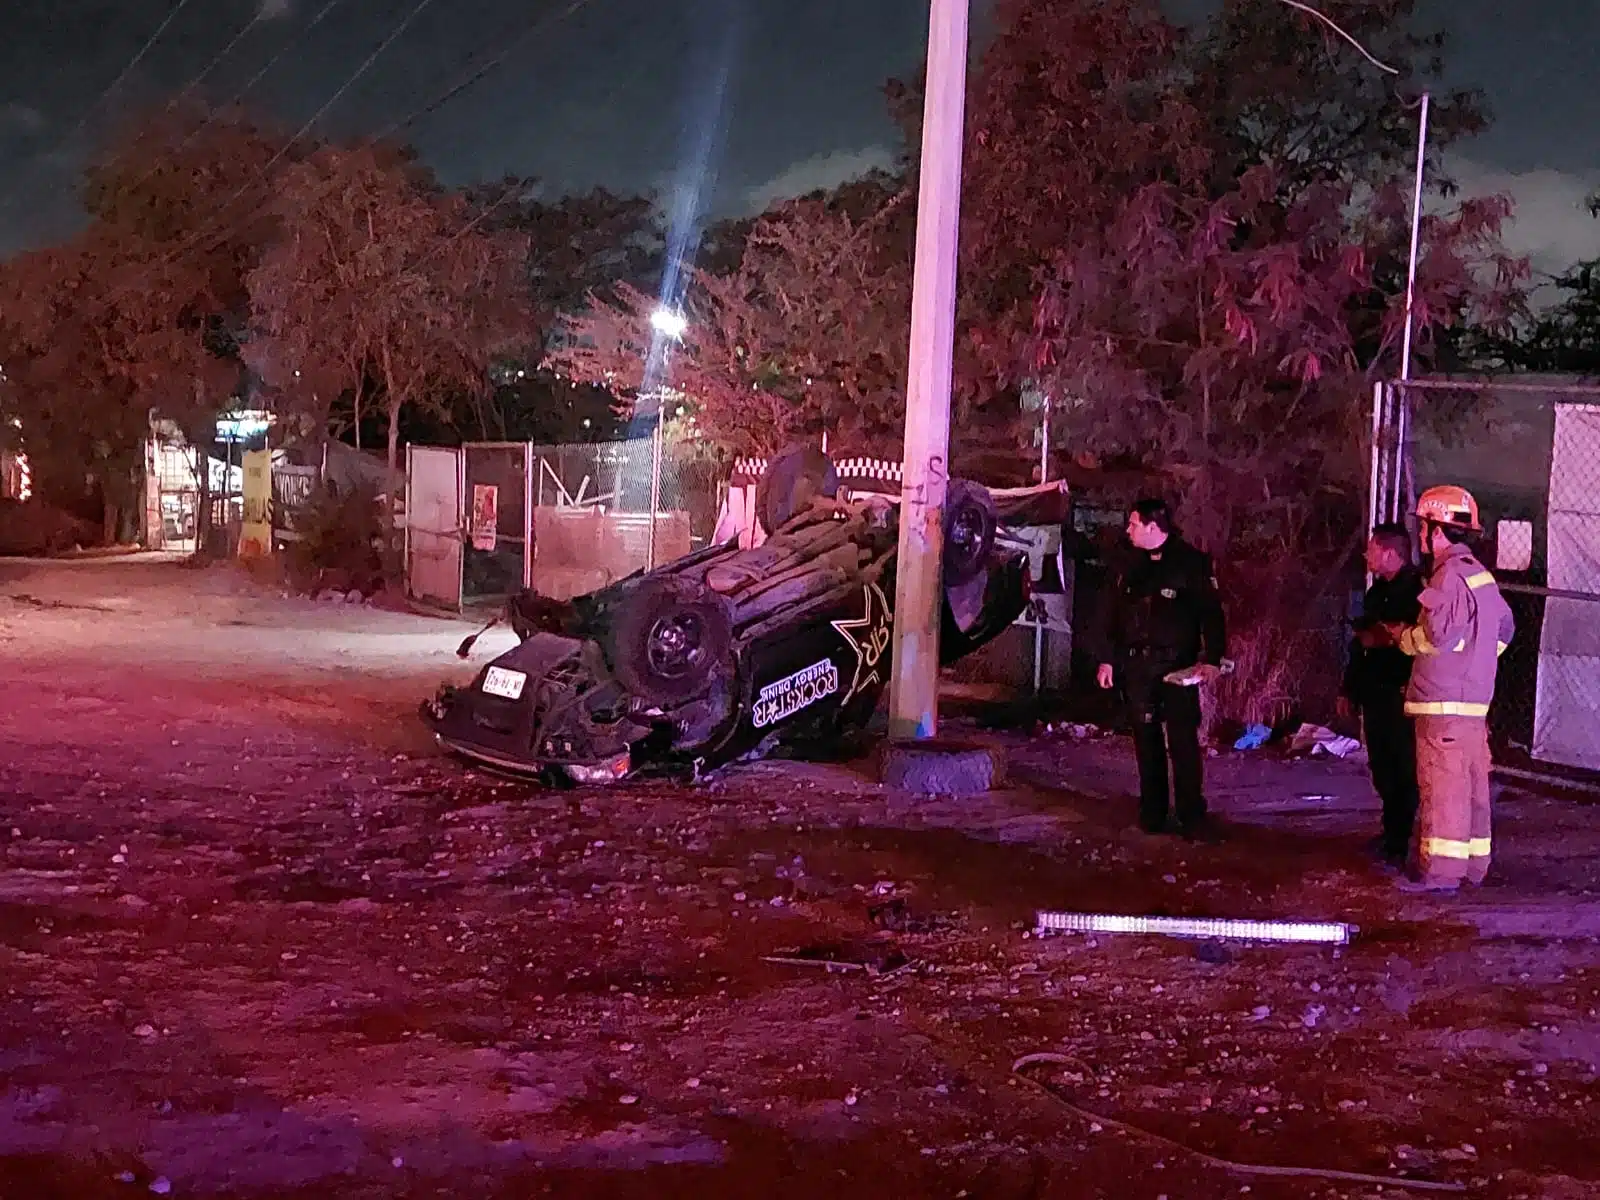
column 1329, row 933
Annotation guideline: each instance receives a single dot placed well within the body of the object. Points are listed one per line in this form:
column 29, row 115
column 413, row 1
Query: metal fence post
column 1044, row 477
column 1377, row 456
column 528, row 467
column 655, row 485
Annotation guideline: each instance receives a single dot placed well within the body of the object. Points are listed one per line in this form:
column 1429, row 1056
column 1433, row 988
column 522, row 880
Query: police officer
column 1375, row 684
column 1162, row 614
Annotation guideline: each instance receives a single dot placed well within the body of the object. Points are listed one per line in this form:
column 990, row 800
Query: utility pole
column 914, row 685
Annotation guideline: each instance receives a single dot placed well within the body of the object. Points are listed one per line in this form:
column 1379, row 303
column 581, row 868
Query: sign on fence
column 292, row 488
column 485, row 515
column 255, row 531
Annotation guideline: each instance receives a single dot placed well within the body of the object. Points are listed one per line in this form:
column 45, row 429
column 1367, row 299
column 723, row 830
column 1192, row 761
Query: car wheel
column 791, row 481
column 667, row 643
column 970, row 522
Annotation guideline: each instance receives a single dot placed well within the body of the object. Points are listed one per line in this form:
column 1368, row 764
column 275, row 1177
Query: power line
column 218, row 226
column 122, row 76
column 478, row 73
column 195, row 82
column 438, row 102
column 282, row 50
column 350, row 82
column 1338, row 29
column 250, row 83
column 200, row 76
column 149, row 44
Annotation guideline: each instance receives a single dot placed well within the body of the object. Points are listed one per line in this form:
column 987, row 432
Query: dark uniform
column 1375, row 684
column 1162, row 613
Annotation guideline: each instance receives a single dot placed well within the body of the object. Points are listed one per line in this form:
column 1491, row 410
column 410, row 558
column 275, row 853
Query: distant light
column 522, row 374
column 669, row 323
column 681, row 410
column 242, row 426
column 297, row 374
column 587, row 422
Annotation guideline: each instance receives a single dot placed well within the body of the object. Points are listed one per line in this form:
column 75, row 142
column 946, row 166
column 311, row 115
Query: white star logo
column 868, row 635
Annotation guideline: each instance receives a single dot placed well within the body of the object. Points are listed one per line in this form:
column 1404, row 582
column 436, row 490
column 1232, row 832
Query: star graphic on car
column 868, row 635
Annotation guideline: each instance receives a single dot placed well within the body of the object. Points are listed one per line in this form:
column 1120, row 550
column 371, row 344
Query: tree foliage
column 807, row 333
column 1561, row 338
column 380, row 277
column 224, row 262
column 577, row 245
column 139, row 315
column 1275, row 86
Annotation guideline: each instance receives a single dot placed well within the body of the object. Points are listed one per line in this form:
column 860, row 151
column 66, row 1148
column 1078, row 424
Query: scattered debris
column 1253, row 738
column 1078, row 732
column 1096, row 1122
column 1317, row 740
column 873, row 959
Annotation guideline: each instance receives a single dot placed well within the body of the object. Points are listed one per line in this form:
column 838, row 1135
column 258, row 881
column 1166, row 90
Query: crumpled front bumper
column 435, row 715
column 550, row 726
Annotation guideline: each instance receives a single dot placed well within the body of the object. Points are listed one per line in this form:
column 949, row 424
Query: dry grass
column 1266, row 681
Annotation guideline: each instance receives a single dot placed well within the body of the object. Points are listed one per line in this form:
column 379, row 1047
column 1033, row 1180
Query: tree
column 180, row 216
column 380, row 275
column 576, row 245
column 1275, row 86
column 1199, row 298
column 808, row 333
column 1562, row 338
column 76, row 407
column 1195, row 336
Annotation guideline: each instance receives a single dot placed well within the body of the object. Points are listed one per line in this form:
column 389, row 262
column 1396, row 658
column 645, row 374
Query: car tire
column 939, row 768
column 791, row 481
column 970, row 522
column 667, row 641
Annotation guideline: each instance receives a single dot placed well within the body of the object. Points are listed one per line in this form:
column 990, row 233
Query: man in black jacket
column 1161, row 613
column 1375, row 684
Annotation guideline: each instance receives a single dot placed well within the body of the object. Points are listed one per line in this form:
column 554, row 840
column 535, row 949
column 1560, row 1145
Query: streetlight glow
column 669, row 323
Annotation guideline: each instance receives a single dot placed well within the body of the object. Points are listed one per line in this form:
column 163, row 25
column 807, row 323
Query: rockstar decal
column 868, row 635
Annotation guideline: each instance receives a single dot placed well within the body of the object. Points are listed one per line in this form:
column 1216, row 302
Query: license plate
column 504, row 683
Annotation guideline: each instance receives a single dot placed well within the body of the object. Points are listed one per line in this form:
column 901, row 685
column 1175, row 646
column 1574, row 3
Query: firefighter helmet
column 1450, row 506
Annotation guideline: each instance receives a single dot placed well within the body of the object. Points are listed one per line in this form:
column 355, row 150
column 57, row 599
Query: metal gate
column 434, row 525
column 498, row 499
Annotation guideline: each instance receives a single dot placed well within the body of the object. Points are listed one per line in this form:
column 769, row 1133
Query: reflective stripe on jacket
column 1464, row 628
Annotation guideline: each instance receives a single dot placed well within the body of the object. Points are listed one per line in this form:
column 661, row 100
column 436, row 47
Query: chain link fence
column 1528, row 448
column 592, row 505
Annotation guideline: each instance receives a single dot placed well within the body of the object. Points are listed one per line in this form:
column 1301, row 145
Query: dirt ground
column 257, row 938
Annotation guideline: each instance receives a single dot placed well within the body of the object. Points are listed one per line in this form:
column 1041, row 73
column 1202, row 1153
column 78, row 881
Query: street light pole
column 914, row 685
column 1403, row 414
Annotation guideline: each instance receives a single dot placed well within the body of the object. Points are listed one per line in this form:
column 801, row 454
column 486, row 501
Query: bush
column 31, row 528
column 344, row 541
column 1286, row 651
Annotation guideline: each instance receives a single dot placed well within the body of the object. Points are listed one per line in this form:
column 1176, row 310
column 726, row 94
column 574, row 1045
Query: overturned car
column 728, row 652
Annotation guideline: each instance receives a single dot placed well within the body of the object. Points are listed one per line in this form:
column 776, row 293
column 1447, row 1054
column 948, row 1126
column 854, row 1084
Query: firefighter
column 1455, row 646
column 1161, row 613
column 1375, row 685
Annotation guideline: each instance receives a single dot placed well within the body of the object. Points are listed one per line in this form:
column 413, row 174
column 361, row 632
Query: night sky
column 625, row 92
